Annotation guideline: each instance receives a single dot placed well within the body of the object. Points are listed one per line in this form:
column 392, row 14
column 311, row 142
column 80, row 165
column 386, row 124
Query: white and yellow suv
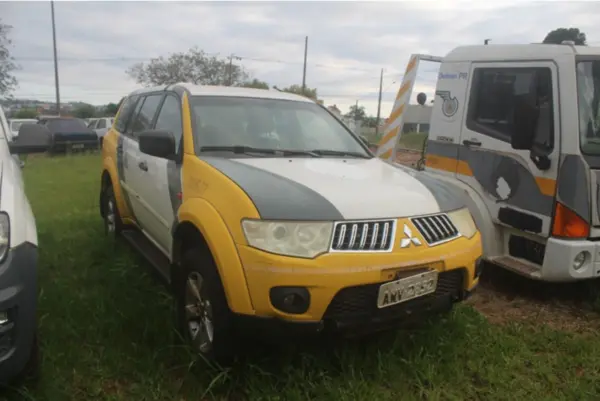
column 261, row 207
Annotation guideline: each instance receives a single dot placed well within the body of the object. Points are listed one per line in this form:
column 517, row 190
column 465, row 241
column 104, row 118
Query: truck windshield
column 223, row 121
column 588, row 93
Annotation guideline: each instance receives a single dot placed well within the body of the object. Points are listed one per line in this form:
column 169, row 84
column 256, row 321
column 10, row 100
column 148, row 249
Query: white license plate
column 77, row 146
column 407, row 288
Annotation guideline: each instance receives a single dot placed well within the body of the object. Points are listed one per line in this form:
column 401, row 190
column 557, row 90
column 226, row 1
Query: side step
column 519, row 266
column 148, row 250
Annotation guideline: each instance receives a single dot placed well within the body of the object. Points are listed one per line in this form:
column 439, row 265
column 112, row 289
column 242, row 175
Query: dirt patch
column 408, row 158
column 504, row 297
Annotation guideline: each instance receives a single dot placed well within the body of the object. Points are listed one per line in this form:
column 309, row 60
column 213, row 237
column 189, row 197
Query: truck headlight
column 463, row 221
column 299, row 239
column 4, row 235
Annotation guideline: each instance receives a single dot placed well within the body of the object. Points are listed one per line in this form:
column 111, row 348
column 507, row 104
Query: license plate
column 77, row 146
column 407, row 288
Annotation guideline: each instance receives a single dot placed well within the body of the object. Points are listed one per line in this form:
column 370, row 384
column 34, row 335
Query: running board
column 160, row 263
column 519, row 266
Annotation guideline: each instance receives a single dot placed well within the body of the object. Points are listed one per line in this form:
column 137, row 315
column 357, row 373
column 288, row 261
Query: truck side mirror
column 525, row 118
column 32, row 138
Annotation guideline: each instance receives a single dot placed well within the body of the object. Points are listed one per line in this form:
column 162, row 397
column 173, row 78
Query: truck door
column 518, row 186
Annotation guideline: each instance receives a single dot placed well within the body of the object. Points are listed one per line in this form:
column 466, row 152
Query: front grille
column 363, row 236
column 360, row 302
column 436, row 228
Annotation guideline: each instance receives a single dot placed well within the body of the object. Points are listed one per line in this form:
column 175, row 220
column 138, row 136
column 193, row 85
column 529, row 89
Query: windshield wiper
column 328, row 152
column 240, row 149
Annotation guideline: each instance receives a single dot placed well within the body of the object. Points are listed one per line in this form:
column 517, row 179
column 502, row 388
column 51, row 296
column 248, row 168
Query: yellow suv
column 261, row 207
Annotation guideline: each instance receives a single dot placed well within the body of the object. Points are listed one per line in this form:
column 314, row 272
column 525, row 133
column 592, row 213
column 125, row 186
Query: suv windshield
column 271, row 124
column 588, row 93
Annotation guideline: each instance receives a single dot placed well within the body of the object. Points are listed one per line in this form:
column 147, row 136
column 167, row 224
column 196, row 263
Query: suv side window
column 495, row 93
column 101, row 123
column 126, row 112
column 169, row 118
column 143, row 120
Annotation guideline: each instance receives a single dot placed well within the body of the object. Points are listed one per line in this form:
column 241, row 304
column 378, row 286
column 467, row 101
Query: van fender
column 492, row 237
column 220, row 242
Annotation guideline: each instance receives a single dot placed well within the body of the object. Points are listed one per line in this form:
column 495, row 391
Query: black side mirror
column 525, row 118
column 158, row 143
column 32, row 138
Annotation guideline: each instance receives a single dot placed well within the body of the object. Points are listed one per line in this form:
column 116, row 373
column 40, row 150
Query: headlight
column 463, row 221
column 4, row 235
column 303, row 239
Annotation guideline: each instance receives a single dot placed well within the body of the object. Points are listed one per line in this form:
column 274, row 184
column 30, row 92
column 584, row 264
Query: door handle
column 469, row 143
column 143, row 165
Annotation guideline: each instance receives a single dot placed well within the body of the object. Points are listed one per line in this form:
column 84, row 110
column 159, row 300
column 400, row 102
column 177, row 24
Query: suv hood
column 336, row 188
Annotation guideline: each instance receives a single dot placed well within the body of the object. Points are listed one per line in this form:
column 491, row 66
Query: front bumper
column 559, row 256
column 344, row 287
column 18, row 297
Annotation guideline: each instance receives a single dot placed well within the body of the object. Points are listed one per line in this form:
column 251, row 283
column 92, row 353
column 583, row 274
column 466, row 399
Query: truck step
column 160, row 263
column 518, row 266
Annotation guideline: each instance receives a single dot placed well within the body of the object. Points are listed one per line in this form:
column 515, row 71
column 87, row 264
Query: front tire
column 112, row 219
column 204, row 319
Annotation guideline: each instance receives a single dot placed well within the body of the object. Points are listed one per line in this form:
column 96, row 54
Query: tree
column 370, row 121
column 356, row 112
column 255, row 83
column 558, row 35
column 297, row 89
column 25, row 113
column 194, row 66
column 110, row 110
column 7, row 64
column 85, row 111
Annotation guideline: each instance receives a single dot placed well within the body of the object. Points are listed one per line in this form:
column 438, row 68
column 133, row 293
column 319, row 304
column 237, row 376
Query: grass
column 107, row 334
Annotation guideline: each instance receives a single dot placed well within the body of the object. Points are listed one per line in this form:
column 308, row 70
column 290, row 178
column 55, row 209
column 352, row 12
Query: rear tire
column 204, row 319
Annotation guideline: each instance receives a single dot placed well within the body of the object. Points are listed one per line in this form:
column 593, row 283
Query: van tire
column 110, row 205
column 197, row 266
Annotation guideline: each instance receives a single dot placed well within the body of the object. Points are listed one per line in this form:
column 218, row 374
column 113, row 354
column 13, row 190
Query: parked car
column 69, row 134
column 101, row 126
column 15, row 123
column 19, row 350
column 261, row 210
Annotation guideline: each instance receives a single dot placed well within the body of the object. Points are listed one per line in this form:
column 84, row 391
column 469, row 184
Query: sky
column 348, row 42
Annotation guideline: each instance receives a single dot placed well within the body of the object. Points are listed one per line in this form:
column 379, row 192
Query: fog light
column 580, row 260
column 295, row 300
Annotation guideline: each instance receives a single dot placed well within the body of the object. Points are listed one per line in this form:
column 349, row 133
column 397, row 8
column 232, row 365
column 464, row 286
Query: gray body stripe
column 276, row 197
column 121, row 170
column 573, row 186
column 174, row 181
column 488, row 166
column 447, row 197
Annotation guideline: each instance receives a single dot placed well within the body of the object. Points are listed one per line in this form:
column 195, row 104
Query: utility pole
column 55, row 61
column 230, row 70
column 379, row 104
column 304, row 71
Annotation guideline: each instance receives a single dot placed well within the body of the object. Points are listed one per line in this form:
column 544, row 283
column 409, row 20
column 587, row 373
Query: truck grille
column 363, row 236
column 435, row 228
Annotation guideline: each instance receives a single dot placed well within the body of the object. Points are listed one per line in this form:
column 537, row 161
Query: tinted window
column 143, row 119
column 268, row 123
column 67, row 125
column 169, row 118
column 496, row 92
column 125, row 113
column 92, row 124
column 101, row 124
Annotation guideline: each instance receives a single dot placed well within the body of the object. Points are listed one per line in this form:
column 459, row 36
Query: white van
column 18, row 256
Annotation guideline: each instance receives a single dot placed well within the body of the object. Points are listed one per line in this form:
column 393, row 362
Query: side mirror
column 525, row 118
column 32, row 138
column 158, row 143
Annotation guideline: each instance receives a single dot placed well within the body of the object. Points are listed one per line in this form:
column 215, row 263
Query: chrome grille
column 435, row 228
column 363, row 236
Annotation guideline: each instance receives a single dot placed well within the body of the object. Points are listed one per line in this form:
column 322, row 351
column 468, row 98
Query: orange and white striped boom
column 393, row 127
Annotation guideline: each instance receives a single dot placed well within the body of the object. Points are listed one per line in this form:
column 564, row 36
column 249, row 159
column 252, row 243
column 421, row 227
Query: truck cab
column 517, row 129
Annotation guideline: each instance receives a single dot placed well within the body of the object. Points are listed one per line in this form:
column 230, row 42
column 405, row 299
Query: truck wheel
column 112, row 219
column 203, row 317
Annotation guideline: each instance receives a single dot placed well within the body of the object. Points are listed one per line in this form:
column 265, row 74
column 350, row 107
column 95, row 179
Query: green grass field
column 107, row 333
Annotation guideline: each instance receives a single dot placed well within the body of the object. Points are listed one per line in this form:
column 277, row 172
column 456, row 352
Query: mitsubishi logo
column 405, row 242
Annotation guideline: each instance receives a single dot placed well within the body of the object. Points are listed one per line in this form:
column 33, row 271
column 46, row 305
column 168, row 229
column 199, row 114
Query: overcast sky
column 349, row 42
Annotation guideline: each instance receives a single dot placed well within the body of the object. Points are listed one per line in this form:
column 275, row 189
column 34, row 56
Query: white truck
column 517, row 129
